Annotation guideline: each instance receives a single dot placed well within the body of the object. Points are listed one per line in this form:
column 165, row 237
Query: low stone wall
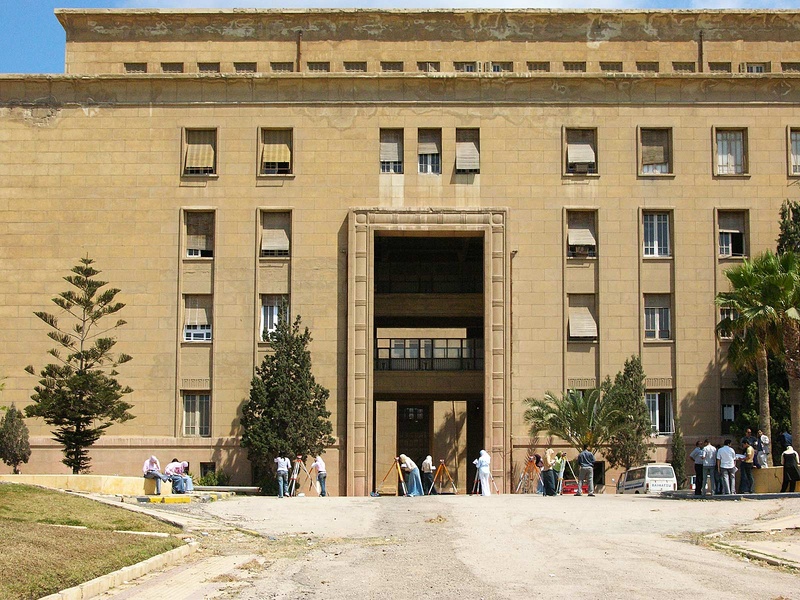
column 98, row 484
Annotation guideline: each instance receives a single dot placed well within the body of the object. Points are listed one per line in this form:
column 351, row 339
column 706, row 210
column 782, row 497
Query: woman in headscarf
column 427, row 475
column 413, row 481
column 484, row 472
column 791, row 472
column 548, row 473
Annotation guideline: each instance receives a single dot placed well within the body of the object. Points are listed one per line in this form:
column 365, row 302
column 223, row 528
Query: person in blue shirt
column 586, row 470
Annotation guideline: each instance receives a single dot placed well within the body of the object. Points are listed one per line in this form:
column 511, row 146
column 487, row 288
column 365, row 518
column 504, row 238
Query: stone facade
column 295, row 110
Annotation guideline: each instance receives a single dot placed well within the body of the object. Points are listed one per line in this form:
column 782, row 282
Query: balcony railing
column 428, row 354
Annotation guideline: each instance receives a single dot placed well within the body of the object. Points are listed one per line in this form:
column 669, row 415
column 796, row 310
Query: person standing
column 762, row 449
column 697, row 457
column 152, row 470
column 726, row 462
column 427, row 475
column 791, row 470
column 748, row 437
column 322, row 475
column 282, row 464
column 548, row 473
column 413, row 480
column 585, row 470
column 746, row 484
column 558, row 468
column 483, row 463
column 710, row 467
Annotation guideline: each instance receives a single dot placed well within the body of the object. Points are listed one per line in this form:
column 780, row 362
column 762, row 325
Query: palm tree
column 579, row 418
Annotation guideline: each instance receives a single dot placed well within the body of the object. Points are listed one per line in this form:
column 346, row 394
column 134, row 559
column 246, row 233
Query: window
column 719, row 67
column 647, row 67
column 276, row 152
column 465, row 67
column 429, row 151
column 728, row 314
column 581, row 151
column 794, row 151
column 197, row 318
column 730, row 151
column 318, row 67
column 136, row 67
column 539, row 66
column 172, row 67
column 790, row 67
column 659, row 404
column 200, row 152
column 200, row 234
column 581, row 237
column 502, row 67
column 655, row 151
column 611, row 67
column 656, row 234
column 731, row 232
column 355, row 67
column 391, row 66
column 684, row 67
column 270, row 305
column 245, row 67
column 391, row 154
column 428, row 66
column 657, row 324
column 582, row 325
column 575, row 67
column 281, row 67
column 731, row 400
column 468, row 151
column 208, row 67
column 207, row 468
column 755, row 67
column 276, row 233
column 196, row 414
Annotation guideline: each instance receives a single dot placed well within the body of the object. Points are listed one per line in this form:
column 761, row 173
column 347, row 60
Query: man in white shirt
column 726, row 461
column 697, row 457
column 322, row 475
column 709, row 467
column 283, row 464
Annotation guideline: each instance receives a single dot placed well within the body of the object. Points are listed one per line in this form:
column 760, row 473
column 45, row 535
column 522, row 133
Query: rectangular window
column 581, row 236
column 429, row 151
column 428, row 66
column 655, row 151
column 684, row 67
column 468, row 151
column 659, row 404
column 208, row 67
column 731, row 399
column 727, row 314
column 172, row 67
column 281, row 67
column 657, row 325
column 245, row 67
column 355, row 66
column 731, row 226
column 391, row 151
column 575, row 67
column 582, row 325
column 275, row 157
column 392, row 66
column 755, row 67
column 581, row 151
column 136, row 67
column 200, row 234
column 647, row 67
column 794, row 151
column 539, row 66
column 276, row 233
column 196, row 414
column 611, row 67
column 318, row 67
column 465, row 67
column 656, row 234
column 502, row 66
column 197, row 318
column 790, row 67
column 719, row 67
column 270, row 305
column 730, row 151
column 200, row 152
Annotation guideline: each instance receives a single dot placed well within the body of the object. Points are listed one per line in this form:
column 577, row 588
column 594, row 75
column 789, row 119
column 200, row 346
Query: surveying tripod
column 477, row 480
column 441, row 472
column 299, row 463
column 400, row 479
column 531, row 476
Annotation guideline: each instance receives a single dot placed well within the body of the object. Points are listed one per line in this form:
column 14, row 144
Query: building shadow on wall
column 449, row 442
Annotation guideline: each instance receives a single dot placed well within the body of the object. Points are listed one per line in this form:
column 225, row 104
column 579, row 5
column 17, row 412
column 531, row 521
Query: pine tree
column 15, row 448
column 630, row 445
column 76, row 395
column 678, row 454
column 286, row 410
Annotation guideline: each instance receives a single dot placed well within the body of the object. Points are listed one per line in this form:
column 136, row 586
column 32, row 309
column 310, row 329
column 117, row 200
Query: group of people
column 284, row 465
column 716, row 468
column 176, row 472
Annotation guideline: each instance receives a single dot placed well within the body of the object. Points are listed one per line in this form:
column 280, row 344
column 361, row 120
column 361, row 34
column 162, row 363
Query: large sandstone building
column 468, row 208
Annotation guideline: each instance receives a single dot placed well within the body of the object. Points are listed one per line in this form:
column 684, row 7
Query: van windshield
column 660, row 472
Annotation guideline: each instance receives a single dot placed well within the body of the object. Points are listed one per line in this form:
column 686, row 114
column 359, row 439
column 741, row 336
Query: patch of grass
column 36, row 560
column 28, row 504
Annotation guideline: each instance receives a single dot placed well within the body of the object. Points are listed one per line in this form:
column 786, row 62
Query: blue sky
column 32, row 40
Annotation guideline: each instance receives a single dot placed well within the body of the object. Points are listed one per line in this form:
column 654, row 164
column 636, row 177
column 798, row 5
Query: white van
column 648, row 479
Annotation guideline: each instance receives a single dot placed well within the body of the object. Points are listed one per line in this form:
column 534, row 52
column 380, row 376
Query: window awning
column 391, row 145
column 580, row 153
column 468, row 156
column 274, row 240
column 200, row 147
column 277, row 146
column 581, row 322
column 429, row 141
column 198, row 310
column 580, row 237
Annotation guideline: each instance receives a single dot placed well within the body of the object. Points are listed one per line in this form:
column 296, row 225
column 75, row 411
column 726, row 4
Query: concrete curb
column 104, row 583
column 755, row 555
